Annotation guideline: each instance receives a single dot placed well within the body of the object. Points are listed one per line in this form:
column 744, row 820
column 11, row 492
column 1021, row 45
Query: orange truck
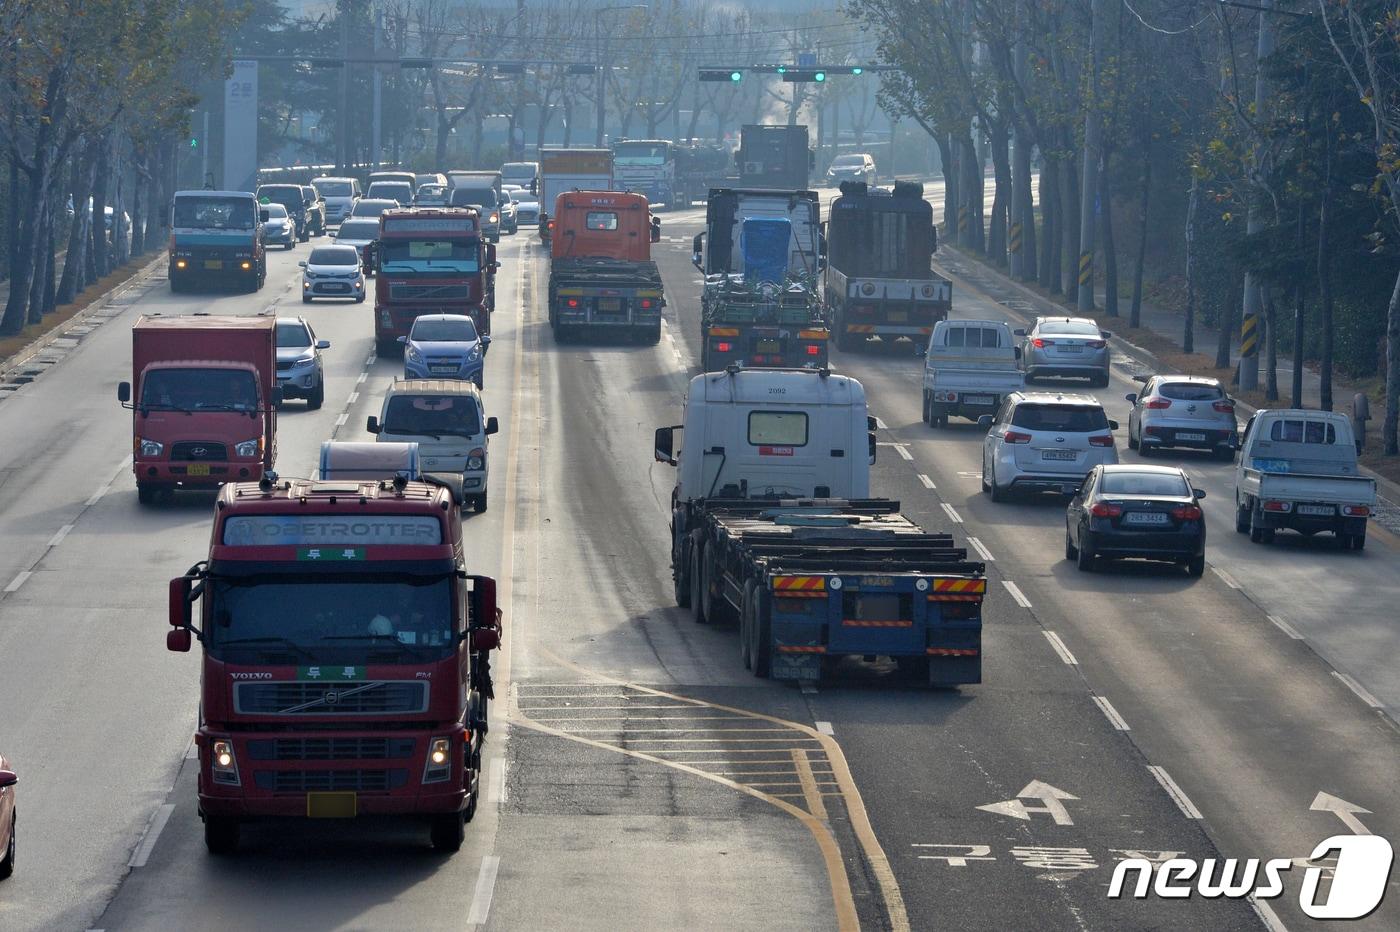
column 602, row 276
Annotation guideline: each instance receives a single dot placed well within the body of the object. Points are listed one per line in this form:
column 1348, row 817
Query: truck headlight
column 223, row 765
column 476, row 463
column 439, row 764
column 150, row 448
column 249, row 447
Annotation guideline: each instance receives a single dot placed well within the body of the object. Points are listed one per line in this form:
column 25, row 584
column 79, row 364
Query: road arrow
column 1048, row 796
column 1326, row 802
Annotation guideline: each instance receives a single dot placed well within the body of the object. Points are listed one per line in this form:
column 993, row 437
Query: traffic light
column 721, row 74
column 509, row 67
column 581, row 69
column 194, row 142
column 802, row 75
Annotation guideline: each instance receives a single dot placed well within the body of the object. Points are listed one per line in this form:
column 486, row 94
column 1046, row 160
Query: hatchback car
column 445, row 346
column 1182, row 411
column 400, row 192
column 857, row 166
column 1149, row 512
column 332, row 272
column 362, row 233
column 7, row 819
column 1044, row 442
column 372, row 207
column 299, row 370
column 527, row 211
column 1066, row 346
column 279, row 228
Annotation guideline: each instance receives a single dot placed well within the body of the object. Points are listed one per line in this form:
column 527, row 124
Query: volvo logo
column 331, row 698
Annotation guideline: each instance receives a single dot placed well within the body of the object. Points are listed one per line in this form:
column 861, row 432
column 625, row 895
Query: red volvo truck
column 203, row 398
column 431, row 260
column 345, row 657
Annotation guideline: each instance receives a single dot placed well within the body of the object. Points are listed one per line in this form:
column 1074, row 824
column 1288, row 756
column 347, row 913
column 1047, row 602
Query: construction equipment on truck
column 772, row 526
column 878, row 282
column 601, row 274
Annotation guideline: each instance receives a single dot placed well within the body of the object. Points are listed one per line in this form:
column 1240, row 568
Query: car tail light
column 724, row 346
column 1101, row 440
column 1187, row 513
column 1040, row 343
column 1273, row 505
column 813, row 350
column 1356, row 511
column 1097, row 344
column 1015, row 436
column 572, row 302
column 1224, row 407
column 646, row 302
column 1157, row 404
column 1105, row 510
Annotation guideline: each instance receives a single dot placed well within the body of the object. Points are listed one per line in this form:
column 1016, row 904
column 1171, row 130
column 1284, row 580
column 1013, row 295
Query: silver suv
column 1044, row 442
column 1182, row 411
column 1073, row 346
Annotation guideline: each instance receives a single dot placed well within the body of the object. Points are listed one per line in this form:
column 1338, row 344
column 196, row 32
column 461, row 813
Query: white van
column 445, row 418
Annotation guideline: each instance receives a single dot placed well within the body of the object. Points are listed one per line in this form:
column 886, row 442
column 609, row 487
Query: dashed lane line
column 1358, row 690
column 1110, row 713
column 928, row 483
column 361, row 379
column 982, row 550
column 1285, row 627
column 62, row 533
column 952, row 513
column 485, row 889
column 1266, row 915
column 1016, row 593
column 903, row 451
column 1178, row 795
column 1060, row 648
column 354, row 397
column 496, row 783
column 825, row 728
column 1225, row 577
column 18, row 581
column 340, row 421
column 159, row 818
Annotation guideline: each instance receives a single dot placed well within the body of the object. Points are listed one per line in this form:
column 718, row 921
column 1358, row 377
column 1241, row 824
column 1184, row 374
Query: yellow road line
column 807, row 779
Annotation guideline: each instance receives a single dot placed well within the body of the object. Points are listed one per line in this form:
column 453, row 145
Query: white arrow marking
column 1050, row 798
column 1326, row 802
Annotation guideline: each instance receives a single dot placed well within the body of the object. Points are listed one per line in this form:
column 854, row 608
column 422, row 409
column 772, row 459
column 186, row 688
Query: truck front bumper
column 165, row 474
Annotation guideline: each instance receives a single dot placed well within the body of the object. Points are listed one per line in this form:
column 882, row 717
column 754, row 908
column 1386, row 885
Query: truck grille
column 198, row 451
column 350, row 698
column 406, row 292
column 314, row 781
column 331, row 749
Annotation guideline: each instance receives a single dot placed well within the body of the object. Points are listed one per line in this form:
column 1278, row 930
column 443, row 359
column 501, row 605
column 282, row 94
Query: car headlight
column 495, row 218
column 438, row 766
column 476, row 459
column 151, row 448
column 413, row 353
column 248, row 447
column 475, row 354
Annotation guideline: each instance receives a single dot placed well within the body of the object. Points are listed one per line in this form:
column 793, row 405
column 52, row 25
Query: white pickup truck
column 970, row 366
column 1297, row 469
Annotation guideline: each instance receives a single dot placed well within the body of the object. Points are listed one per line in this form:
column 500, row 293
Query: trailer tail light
column 959, row 611
column 1041, row 343
column 1157, row 404
column 1105, row 510
column 1277, row 506
column 812, row 334
column 646, row 303
column 724, row 346
column 760, row 360
column 813, row 349
column 1015, row 436
column 1187, row 513
column 1101, row 440
column 1224, row 407
column 1356, row 511
column 572, row 302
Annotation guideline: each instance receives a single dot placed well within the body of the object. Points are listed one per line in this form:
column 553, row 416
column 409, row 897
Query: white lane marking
column 361, row 379
column 982, row 550
column 485, row 887
column 1266, row 915
column 879, row 424
column 1359, row 690
column 1110, row 713
column 1016, row 593
column 809, row 688
column 142, row 854
column 1178, row 796
column 192, row 752
column 825, row 728
column 18, row 581
column 952, row 513
column 1285, row 627
column 1225, row 577
column 1060, row 648
column 928, row 483
column 354, row 397
column 62, row 533
column 903, row 451
column 340, row 421
column 496, row 791
column 97, row 496
column 370, row 360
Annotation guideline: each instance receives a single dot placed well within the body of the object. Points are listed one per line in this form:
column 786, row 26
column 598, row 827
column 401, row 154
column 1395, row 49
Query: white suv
column 1044, row 442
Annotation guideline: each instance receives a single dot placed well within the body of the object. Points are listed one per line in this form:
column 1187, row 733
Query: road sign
column 806, row 59
column 1049, row 797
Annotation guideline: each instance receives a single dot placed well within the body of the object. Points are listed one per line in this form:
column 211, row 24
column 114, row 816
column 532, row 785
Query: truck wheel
column 176, row 285
column 221, row 834
column 479, row 503
column 716, row 608
column 845, row 341
column 680, row 580
column 697, row 596
column 145, row 494
column 1242, row 518
column 448, row 830
column 652, row 335
column 746, row 625
column 761, row 635
column 1257, row 532
column 1354, row 541
column 928, row 409
column 317, row 397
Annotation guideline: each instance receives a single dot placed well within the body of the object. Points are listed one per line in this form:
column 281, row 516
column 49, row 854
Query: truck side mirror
column 124, row 392
column 179, row 603
column 697, row 251
column 933, row 239
column 871, row 423
column 178, row 640
column 656, row 229
column 665, row 445
column 264, row 215
column 492, row 426
column 870, row 438
column 484, row 620
column 372, row 424
column 276, row 397
column 1018, row 352
column 1019, row 331
column 491, row 255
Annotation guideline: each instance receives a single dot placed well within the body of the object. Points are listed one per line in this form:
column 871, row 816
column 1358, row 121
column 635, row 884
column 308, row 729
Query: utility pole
column 1093, row 147
column 1253, row 289
column 204, row 149
column 377, row 120
column 342, row 159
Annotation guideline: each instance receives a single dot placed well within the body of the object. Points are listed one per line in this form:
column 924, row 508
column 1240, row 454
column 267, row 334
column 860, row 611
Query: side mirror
column 870, row 443
column 933, row 240
column 485, row 639
column 1131, row 396
column 323, row 344
column 665, row 445
column 1105, row 333
column 301, row 264
column 403, row 340
column 8, row 778
column 178, row 640
column 1018, row 352
column 1112, row 425
column 180, row 615
column 264, row 216
column 484, row 620
column 986, row 420
column 123, row 392
column 486, row 339
column 372, row 424
column 1199, row 493
column 1019, row 331
column 492, row 426
column 871, row 423
column 656, row 232
column 277, row 397
column 491, row 255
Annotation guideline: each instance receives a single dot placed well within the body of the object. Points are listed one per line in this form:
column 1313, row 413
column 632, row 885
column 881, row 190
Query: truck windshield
column 639, row 154
column 428, row 255
column 432, row 415
column 214, row 213
column 199, row 390
column 330, row 618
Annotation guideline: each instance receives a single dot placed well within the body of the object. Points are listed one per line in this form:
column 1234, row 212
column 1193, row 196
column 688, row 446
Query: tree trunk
column 1069, row 227
column 101, row 261
column 1053, row 216
column 1324, row 290
column 1299, row 305
column 1392, row 372
column 75, row 263
column 1135, row 312
column 1109, row 247
column 140, row 180
column 1024, row 211
column 1188, row 337
column 948, row 164
column 1227, row 326
column 43, row 259
column 1270, row 346
column 1001, row 197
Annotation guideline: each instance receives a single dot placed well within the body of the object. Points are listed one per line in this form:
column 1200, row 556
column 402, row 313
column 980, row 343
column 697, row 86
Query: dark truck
column 878, row 282
column 601, row 274
column 774, row 157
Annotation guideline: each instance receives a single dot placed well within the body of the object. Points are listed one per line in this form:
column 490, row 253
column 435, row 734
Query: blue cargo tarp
column 763, row 242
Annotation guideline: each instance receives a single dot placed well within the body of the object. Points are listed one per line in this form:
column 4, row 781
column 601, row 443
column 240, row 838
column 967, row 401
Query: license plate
column 332, row 805
column 1317, row 510
column 898, row 317
column 1190, row 435
column 443, row 370
column 336, row 286
column 213, row 263
column 1070, row 349
column 197, row 469
column 1145, row 517
column 609, row 304
column 769, row 346
column 1069, row 455
column 978, row 399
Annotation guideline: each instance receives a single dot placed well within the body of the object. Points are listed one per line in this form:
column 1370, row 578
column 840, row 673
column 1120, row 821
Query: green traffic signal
column 857, row 70
column 736, row 76
column 782, row 69
column 819, row 76
column 194, row 142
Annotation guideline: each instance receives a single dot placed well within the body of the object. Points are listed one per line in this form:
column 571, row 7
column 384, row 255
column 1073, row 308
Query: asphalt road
column 637, row 775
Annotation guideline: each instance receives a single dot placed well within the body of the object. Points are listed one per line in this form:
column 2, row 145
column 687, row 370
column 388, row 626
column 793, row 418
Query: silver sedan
column 1066, row 346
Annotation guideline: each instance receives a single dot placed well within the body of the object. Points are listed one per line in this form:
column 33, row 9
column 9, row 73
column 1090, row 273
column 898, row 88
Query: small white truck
column 970, row 366
column 1297, row 470
column 446, row 420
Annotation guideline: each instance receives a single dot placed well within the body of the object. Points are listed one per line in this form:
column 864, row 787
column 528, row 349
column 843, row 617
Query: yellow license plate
column 197, row 469
column 769, row 346
column 899, row 316
column 609, row 304
column 332, row 805
column 213, row 263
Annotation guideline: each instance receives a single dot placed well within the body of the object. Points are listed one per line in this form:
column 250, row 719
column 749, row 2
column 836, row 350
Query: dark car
column 1149, row 512
column 291, row 197
column 7, row 819
column 315, row 210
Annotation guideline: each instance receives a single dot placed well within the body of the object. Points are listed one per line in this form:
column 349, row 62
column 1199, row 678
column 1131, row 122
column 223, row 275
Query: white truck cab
column 752, row 433
column 446, row 420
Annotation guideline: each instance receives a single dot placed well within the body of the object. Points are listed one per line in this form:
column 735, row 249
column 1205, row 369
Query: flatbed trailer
column 812, row 580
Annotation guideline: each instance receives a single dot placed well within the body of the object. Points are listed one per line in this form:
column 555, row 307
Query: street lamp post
column 602, row 86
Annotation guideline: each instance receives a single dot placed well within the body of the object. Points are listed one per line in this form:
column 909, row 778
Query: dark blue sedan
column 1129, row 510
